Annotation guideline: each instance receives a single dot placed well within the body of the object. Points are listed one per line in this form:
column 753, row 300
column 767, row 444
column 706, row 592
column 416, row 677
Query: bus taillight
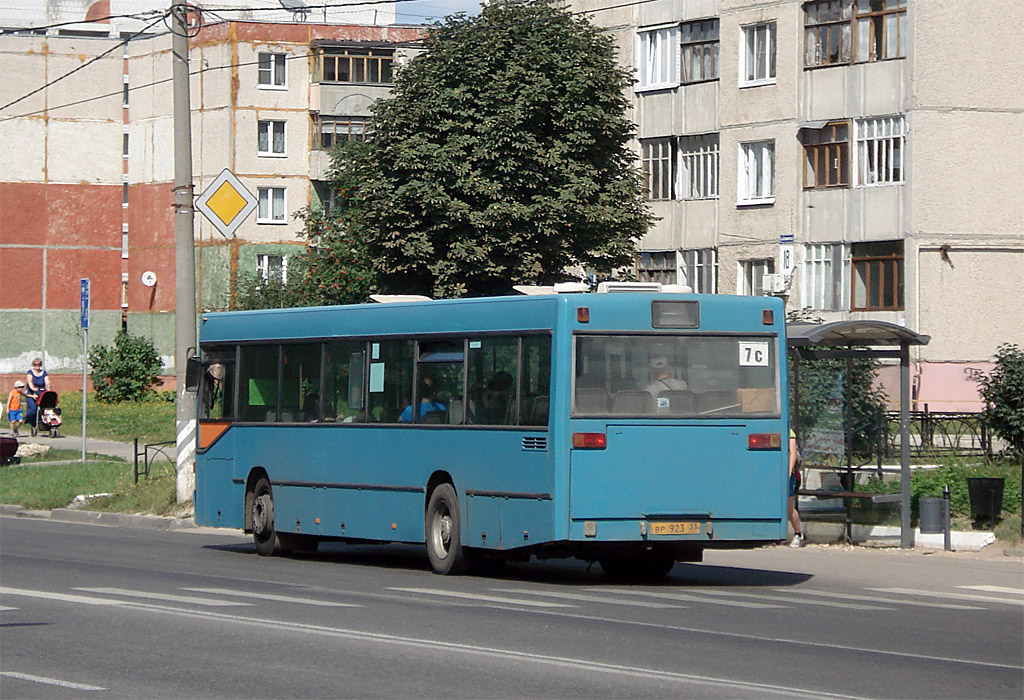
column 764, row 441
column 589, row 441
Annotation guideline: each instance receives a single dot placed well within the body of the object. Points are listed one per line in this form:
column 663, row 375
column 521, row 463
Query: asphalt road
column 107, row 612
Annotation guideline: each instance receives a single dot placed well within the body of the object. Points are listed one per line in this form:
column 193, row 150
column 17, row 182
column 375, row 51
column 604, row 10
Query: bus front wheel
column 263, row 532
column 443, row 535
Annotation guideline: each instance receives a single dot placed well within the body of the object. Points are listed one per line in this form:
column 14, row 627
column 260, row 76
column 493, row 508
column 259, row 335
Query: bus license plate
column 675, row 528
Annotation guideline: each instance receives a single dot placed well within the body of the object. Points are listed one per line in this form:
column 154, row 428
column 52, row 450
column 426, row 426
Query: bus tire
column 441, row 526
column 264, row 534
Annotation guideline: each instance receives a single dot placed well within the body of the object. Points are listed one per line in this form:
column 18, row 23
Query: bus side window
column 344, row 375
column 535, row 380
column 258, row 383
column 390, row 379
column 217, row 386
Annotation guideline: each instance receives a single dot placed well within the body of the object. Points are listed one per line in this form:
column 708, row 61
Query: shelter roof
column 852, row 334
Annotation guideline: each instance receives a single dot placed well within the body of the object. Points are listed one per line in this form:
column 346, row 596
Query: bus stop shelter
column 870, row 340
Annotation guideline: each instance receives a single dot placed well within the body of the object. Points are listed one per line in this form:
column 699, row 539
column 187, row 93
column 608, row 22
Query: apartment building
column 86, row 189
column 862, row 158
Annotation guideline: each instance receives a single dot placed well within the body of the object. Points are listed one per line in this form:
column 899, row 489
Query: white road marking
column 690, row 598
column 794, row 599
column 953, row 596
column 271, row 596
column 482, row 598
column 590, row 598
column 4, row 608
column 996, row 589
column 192, row 600
column 429, row 644
column 49, row 681
column 846, row 596
column 740, row 688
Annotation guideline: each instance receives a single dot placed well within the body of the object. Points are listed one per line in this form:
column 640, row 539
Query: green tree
column 502, row 157
column 1003, row 391
column 125, row 371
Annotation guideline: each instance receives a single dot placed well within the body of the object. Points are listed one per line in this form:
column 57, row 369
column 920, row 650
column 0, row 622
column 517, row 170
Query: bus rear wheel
column 443, row 533
column 264, row 535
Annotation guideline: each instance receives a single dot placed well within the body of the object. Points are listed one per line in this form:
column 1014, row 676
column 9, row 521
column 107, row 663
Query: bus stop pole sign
column 84, row 304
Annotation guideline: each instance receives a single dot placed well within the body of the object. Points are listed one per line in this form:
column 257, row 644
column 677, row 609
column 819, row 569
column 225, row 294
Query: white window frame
column 273, row 76
column 750, row 281
column 826, row 277
column 756, row 179
column 263, row 266
column 757, row 57
column 657, row 57
column 881, row 149
column 699, row 269
column 698, row 167
column 266, row 211
column 658, row 164
column 266, row 130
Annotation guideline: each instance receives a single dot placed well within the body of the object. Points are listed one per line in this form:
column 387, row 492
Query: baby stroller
column 48, row 414
column 9, row 451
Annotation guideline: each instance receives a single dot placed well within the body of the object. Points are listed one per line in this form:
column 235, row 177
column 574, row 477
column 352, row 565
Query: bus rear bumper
column 711, row 532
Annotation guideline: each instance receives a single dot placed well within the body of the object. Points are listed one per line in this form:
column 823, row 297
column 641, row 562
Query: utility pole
column 184, row 255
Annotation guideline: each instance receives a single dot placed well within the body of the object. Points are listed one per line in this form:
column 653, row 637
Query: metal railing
column 156, row 448
column 940, row 433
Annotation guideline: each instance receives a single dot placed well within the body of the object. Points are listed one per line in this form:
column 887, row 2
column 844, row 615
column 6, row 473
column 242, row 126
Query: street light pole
column 184, row 255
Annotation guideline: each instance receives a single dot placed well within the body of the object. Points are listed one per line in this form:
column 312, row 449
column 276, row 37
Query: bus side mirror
column 193, row 371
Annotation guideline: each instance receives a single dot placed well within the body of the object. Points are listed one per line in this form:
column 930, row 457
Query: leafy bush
column 928, row 483
column 1003, row 391
column 126, row 371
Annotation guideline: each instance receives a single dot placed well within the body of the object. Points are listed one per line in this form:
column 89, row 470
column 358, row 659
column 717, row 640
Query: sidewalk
column 124, row 450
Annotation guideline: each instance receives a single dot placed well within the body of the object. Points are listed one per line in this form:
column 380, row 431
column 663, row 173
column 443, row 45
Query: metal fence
column 940, row 433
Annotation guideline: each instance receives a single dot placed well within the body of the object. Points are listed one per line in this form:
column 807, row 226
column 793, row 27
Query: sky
column 426, row 11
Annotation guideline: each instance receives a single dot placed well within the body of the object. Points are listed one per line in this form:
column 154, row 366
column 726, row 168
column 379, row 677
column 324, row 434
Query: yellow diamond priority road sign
column 226, row 203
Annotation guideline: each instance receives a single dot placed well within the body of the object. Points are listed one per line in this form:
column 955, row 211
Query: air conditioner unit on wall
column 775, row 283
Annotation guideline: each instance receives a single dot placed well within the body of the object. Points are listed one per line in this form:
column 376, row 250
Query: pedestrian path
column 124, row 450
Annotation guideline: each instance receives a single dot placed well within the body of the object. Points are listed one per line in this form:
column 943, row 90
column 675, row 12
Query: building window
column 657, row 266
column 877, row 276
column 698, row 165
column 827, row 156
column 758, row 54
column 826, row 274
column 124, row 93
column 657, row 163
column 270, row 138
column 832, row 28
column 124, row 241
column 357, row 66
column 752, row 272
column 124, row 145
column 272, row 268
column 699, row 45
column 272, row 70
column 657, row 58
column 271, row 206
column 880, row 150
column 331, row 131
column 757, row 173
column 881, row 29
column 699, row 270
column 124, row 194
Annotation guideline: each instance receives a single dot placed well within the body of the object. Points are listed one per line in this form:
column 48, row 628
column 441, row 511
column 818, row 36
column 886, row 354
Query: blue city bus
column 632, row 429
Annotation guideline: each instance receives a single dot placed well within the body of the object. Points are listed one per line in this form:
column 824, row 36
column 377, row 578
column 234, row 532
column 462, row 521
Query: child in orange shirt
column 15, row 401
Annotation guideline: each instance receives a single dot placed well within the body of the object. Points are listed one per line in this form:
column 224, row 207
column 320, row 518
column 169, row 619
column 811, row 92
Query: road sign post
column 84, row 313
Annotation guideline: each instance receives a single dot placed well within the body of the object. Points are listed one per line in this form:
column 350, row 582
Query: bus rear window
column 699, row 376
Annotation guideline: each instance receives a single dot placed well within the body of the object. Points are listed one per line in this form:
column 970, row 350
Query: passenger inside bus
column 427, row 406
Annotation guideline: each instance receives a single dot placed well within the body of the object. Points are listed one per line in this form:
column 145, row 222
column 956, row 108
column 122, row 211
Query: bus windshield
column 672, row 376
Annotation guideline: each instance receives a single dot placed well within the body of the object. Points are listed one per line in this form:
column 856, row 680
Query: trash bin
column 986, row 496
column 931, row 516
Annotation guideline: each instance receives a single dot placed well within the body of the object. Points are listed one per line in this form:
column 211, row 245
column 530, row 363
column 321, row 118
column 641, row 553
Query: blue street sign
column 786, row 238
column 84, row 304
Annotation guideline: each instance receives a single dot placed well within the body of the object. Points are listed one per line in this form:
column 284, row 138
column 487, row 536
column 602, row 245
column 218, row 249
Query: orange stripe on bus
column 209, row 432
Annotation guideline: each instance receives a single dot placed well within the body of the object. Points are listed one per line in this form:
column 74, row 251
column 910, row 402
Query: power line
column 215, row 11
column 84, row 65
column 142, row 16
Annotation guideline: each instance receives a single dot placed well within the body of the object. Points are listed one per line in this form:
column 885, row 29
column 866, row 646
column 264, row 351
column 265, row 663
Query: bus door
column 216, row 453
column 691, row 425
